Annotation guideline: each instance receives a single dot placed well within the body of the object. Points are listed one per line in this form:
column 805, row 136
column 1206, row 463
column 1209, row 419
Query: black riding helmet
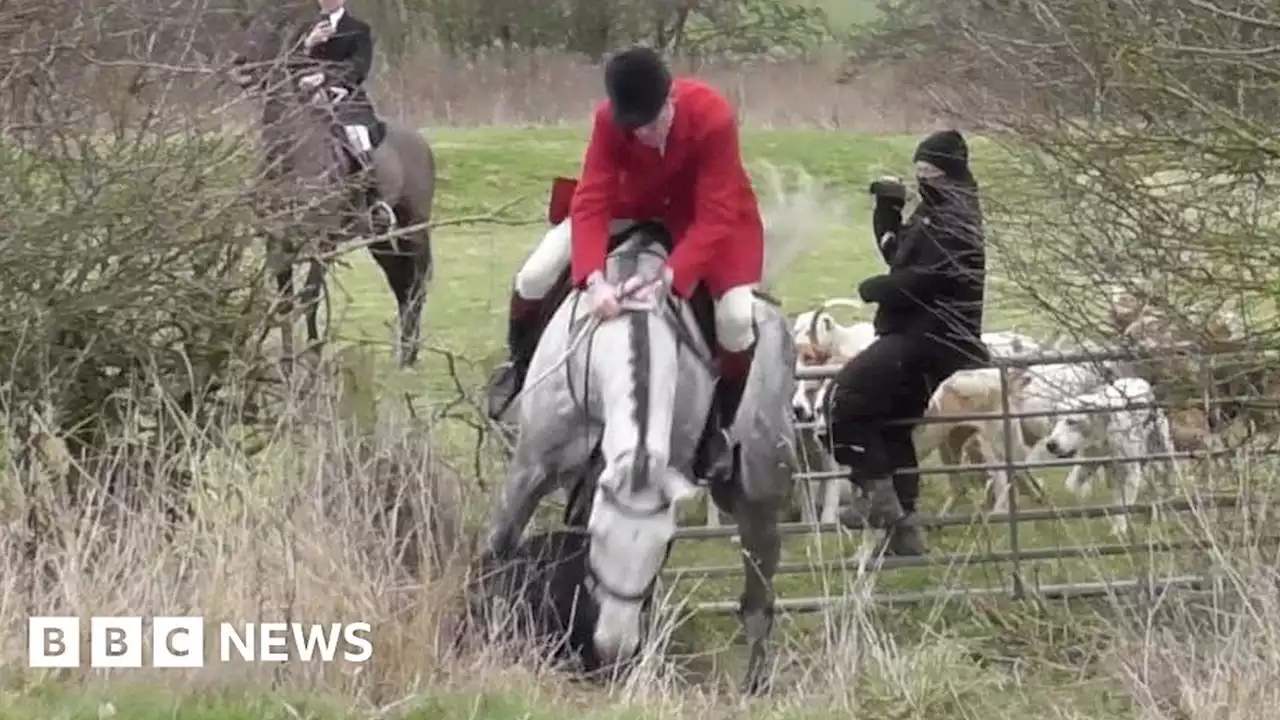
column 637, row 82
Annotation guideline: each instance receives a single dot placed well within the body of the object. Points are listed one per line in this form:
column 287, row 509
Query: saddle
column 355, row 114
column 359, row 159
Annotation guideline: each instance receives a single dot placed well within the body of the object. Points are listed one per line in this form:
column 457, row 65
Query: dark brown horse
column 307, row 158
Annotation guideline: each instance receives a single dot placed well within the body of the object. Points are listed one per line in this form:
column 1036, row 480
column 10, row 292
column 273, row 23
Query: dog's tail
column 841, row 302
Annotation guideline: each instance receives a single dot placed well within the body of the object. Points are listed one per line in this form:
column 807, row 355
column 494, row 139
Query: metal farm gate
column 1014, row 561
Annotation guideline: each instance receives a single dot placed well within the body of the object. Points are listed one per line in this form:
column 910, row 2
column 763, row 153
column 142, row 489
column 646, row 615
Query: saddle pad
column 558, row 206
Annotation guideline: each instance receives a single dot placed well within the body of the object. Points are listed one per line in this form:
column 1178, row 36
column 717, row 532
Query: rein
column 588, row 325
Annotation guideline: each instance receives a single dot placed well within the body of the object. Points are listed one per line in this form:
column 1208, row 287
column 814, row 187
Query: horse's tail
column 792, row 221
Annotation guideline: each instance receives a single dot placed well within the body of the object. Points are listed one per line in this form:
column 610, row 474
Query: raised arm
column 889, row 196
column 948, row 252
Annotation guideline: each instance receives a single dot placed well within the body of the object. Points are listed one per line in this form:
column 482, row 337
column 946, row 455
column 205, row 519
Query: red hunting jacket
column 698, row 188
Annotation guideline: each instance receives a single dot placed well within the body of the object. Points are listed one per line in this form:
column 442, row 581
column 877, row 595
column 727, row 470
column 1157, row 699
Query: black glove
column 889, row 189
column 873, row 288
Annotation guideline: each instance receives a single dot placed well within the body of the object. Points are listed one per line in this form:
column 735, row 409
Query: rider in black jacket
column 928, row 325
column 343, row 46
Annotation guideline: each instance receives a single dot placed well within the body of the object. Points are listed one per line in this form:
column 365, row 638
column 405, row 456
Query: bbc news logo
column 179, row 642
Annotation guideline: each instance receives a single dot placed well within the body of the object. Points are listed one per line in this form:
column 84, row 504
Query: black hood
column 947, row 151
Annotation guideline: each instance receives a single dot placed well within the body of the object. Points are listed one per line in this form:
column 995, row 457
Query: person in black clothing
column 928, row 325
column 343, row 46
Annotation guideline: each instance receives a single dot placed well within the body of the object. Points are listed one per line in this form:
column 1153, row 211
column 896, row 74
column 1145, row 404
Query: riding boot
column 735, row 368
column 877, row 507
column 905, row 539
column 522, row 340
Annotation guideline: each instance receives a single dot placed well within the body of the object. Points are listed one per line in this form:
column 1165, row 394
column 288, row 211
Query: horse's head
column 635, row 361
column 632, row 526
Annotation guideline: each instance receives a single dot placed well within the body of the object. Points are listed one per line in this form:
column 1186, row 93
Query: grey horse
column 630, row 397
column 307, row 157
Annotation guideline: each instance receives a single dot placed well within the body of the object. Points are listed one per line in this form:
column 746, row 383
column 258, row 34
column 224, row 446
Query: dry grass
column 292, row 532
column 544, row 88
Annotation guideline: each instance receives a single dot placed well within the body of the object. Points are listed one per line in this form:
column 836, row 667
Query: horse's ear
column 678, row 487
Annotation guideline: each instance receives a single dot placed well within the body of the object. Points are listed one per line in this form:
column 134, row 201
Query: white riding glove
column 319, row 34
column 645, row 290
column 311, row 81
column 602, row 297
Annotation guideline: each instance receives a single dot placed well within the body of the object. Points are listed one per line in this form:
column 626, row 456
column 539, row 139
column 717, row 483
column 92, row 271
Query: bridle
column 668, row 310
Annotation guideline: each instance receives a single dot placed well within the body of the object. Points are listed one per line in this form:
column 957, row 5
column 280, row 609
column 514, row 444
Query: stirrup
column 382, row 218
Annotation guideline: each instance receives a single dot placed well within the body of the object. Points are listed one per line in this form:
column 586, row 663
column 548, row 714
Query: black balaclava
column 947, row 151
column 637, row 82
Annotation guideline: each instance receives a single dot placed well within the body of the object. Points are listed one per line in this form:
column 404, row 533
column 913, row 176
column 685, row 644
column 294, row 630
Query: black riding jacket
column 935, row 286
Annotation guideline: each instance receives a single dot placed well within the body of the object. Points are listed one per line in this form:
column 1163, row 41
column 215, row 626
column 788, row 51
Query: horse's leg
column 527, row 484
column 761, row 546
column 411, row 323
column 284, row 288
column 312, row 291
column 810, row 490
column 406, row 272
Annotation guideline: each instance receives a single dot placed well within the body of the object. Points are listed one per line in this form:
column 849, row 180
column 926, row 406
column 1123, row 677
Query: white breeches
column 734, row 313
column 735, row 319
column 542, row 268
column 358, row 136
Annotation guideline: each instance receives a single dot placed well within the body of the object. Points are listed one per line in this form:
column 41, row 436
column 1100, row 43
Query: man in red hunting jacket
column 660, row 149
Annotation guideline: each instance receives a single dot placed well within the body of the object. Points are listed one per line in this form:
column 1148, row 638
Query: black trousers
column 892, row 379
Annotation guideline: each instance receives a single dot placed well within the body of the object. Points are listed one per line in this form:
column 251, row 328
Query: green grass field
column 922, row 662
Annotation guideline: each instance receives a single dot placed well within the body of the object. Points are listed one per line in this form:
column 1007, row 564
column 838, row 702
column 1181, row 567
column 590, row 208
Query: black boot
column 905, row 539
column 720, row 446
column 877, row 507
column 522, row 340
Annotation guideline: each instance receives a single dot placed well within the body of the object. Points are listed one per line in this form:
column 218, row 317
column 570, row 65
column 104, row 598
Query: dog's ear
column 1019, row 378
column 824, row 326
